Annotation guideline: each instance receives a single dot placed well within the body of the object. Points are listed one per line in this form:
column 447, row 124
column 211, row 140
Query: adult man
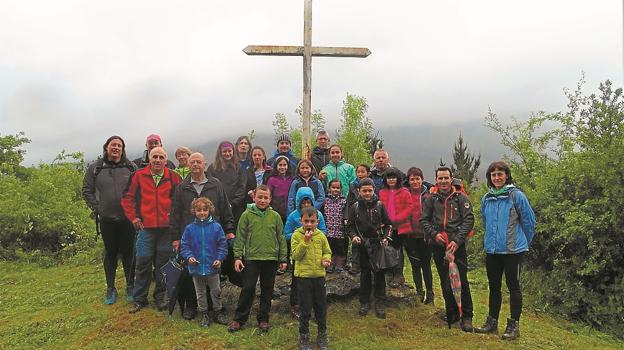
column 152, row 142
column 146, row 203
column 283, row 149
column 382, row 162
column 102, row 189
column 194, row 186
column 447, row 219
column 320, row 153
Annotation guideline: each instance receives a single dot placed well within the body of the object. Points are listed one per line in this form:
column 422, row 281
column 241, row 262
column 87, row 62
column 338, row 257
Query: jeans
column 153, row 249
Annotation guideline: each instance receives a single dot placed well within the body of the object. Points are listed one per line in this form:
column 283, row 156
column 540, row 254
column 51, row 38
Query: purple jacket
column 279, row 186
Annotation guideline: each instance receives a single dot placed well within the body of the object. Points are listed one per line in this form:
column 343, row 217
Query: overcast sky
column 73, row 72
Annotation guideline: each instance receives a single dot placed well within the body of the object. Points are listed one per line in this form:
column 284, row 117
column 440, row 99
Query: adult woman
column 243, row 144
column 509, row 224
column 182, row 154
column 103, row 186
column 256, row 171
column 227, row 169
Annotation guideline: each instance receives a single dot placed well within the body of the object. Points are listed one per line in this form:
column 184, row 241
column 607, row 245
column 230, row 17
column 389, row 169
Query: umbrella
column 227, row 268
column 455, row 282
column 171, row 273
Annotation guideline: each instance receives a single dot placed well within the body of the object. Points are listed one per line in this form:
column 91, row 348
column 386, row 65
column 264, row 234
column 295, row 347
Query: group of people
column 251, row 218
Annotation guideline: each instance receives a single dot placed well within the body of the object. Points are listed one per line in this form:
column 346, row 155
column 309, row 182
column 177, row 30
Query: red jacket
column 401, row 200
column 417, row 200
column 143, row 199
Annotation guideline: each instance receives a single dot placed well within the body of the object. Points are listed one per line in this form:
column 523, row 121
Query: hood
column 302, row 193
column 252, row 207
column 209, row 220
column 288, row 154
column 492, row 192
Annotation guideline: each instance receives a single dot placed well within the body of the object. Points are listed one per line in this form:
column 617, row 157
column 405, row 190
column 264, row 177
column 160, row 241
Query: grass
column 61, row 308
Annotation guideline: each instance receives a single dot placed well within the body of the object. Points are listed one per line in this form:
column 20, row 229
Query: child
column 304, row 199
column 334, row 209
column 367, row 219
column 258, row 257
column 279, row 180
column 306, row 177
column 397, row 201
column 204, row 247
column 337, row 168
column 362, row 171
column 312, row 255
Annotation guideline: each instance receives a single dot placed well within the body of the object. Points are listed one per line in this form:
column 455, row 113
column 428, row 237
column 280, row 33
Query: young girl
column 305, row 176
column 397, row 200
column 279, row 180
column 227, row 169
column 334, row 211
column 339, row 169
column 203, row 246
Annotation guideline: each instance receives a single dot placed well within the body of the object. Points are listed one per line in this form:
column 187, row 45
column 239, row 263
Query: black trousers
column 254, row 269
column 461, row 259
column 366, row 279
column 118, row 237
column 419, row 256
column 312, row 296
column 294, row 294
column 496, row 265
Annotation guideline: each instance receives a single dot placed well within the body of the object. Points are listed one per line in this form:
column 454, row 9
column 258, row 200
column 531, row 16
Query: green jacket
column 259, row 235
column 345, row 172
column 308, row 256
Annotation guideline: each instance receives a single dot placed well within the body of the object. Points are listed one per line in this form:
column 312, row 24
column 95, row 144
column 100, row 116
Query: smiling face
column 335, row 154
column 392, row 182
column 227, row 153
column 202, row 212
column 197, row 164
column 262, row 199
column 282, row 166
column 114, row 150
column 367, row 192
column 283, row 146
column 415, row 182
column 158, row 159
column 335, row 189
column 498, row 178
column 182, row 158
column 443, row 180
column 381, row 159
column 305, row 170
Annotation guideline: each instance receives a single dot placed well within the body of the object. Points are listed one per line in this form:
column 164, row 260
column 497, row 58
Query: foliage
column 355, row 131
column 465, row 163
column 281, row 126
column 571, row 166
column 12, row 154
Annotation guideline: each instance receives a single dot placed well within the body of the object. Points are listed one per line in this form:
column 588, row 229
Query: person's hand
column 176, row 245
column 250, row 194
column 322, row 175
column 283, row 266
column 384, row 242
column 326, row 263
column 356, row 240
column 193, row 261
column 216, row 264
column 307, row 237
column 451, row 247
column 230, row 236
column 440, row 239
column 238, row 265
column 138, row 224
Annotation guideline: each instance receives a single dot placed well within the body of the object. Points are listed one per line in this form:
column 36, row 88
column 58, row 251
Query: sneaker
column 490, row 326
column 220, row 317
column 330, row 269
column 136, row 307
column 205, row 319
column 295, row 311
column 129, row 294
column 264, row 326
column 512, row 331
column 364, row 309
column 321, row 341
column 189, row 313
column 279, row 272
column 234, row 326
column 111, row 296
column 466, row 324
column 304, row 341
column 380, row 310
column 339, row 269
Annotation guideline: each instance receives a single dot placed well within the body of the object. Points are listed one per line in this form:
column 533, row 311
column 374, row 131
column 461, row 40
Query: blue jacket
column 317, row 189
column 291, row 158
column 294, row 219
column 508, row 220
column 205, row 241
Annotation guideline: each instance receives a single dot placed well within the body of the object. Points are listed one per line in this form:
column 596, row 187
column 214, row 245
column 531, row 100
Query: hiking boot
column 279, row 272
column 161, row 305
column 234, row 326
column 364, row 309
column 189, row 313
column 466, row 324
column 339, row 269
column 380, row 309
column 136, row 307
column 304, row 341
column 420, row 295
column 490, row 326
column 295, row 311
column 264, row 326
column 330, row 269
column 111, row 296
column 220, row 317
column 512, row 331
column 205, row 319
column 429, row 299
column 129, row 294
column 355, row 269
column 321, row 341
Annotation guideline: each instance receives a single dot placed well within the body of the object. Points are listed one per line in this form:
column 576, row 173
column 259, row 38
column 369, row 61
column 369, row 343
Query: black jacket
column 366, row 219
column 184, row 194
column 320, row 158
column 234, row 182
column 459, row 216
column 103, row 186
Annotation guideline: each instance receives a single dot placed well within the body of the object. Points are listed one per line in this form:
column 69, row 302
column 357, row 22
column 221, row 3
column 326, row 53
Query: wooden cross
column 307, row 51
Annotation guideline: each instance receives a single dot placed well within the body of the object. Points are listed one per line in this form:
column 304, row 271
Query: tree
column 465, row 163
column 281, row 126
column 355, row 131
column 11, row 152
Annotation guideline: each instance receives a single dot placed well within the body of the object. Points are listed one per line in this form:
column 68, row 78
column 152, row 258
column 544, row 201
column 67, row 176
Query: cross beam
column 307, row 51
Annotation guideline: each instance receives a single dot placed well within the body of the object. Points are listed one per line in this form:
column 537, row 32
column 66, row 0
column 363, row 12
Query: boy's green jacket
column 308, row 256
column 259, row 235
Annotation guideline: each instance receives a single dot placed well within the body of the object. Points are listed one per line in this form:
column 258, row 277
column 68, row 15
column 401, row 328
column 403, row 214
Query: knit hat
column 283, row 137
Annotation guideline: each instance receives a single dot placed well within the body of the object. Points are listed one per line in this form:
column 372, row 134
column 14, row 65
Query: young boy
column 259, row 248
column 304, row 199
column 311, row 252
column 368, row 225
column 204, row 247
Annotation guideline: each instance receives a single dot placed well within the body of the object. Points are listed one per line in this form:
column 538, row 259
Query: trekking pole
column 98, row 228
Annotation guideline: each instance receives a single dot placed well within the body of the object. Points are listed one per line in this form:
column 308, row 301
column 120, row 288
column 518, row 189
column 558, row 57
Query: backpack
column 99, row 165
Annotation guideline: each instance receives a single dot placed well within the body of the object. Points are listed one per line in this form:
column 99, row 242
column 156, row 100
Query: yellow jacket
column 308, row 256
